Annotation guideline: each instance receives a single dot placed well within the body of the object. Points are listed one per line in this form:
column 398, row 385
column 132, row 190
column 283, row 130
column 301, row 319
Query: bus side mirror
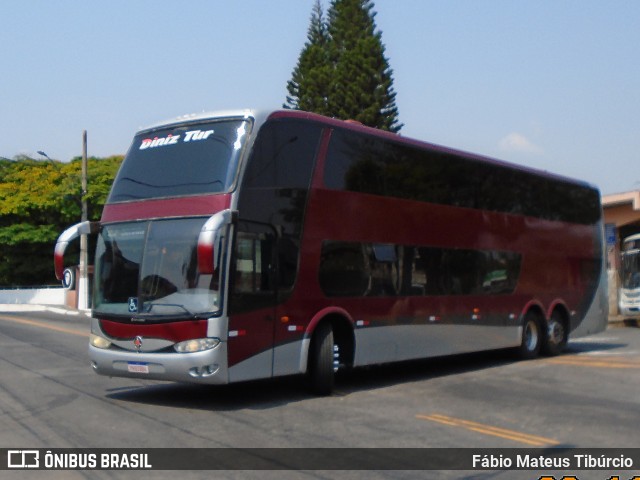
column 70, row 234
column 209, row 238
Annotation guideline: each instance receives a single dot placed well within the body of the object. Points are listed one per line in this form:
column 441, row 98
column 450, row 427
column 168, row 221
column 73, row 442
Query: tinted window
column 252, row 275
column 278, row 174
column 273, row 196
column 630, row 269
column 184, row 160
column 351, row 269
column 369, row 164
column 283, row 156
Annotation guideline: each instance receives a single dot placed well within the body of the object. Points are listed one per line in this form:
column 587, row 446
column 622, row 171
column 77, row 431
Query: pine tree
column 309, row 85
column 342, row 71
column 362, row 83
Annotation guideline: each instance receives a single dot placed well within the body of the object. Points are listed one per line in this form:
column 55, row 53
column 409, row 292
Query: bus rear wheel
column 557, row 335
column 321, row 360
column 531, row 337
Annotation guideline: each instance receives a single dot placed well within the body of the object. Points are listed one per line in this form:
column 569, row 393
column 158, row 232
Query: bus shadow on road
column 271, row 393
column 589, row 345
column 255, row 395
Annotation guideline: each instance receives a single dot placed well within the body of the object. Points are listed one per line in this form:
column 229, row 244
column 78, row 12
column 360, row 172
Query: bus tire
column 321, row 372
column 532, row 337
column 556, row 336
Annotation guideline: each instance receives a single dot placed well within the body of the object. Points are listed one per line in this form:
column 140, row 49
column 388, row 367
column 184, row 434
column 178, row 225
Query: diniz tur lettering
column 159, row 141
column 193, row 135
column 197, row 135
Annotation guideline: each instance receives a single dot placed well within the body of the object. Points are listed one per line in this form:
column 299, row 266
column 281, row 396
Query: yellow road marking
column 36, row 323
column 593, row 362
column 490, row 430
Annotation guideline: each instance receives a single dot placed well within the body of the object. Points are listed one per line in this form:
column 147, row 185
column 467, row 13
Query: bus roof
column 262, row 115
column 197, row 117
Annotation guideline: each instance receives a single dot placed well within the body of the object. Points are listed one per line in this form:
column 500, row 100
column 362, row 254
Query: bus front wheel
column 321, row 360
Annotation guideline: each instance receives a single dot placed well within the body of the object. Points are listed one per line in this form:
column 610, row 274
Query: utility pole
column 83, row 283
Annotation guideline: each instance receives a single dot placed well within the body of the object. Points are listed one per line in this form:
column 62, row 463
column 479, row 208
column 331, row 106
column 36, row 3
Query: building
column 622, row 219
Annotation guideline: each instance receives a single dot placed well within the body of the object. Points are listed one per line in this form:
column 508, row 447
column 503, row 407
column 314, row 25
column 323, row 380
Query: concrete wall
column 33, row 296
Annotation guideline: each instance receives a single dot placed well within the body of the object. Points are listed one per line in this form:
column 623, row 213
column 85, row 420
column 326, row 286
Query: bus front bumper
column 207, row 367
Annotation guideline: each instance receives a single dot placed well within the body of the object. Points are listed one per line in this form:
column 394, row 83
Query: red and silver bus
column 244, row 245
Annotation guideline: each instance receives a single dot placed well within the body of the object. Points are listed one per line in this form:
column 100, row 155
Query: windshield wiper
column 147, row 315
column 149, row 306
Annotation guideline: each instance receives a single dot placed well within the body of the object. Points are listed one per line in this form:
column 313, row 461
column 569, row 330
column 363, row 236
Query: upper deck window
column 181, row 160
column 377, row 166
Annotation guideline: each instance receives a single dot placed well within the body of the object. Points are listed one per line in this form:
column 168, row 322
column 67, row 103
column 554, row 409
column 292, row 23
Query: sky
column 550, row 84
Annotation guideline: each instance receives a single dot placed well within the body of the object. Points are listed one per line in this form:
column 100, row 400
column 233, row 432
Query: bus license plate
column 138, row 367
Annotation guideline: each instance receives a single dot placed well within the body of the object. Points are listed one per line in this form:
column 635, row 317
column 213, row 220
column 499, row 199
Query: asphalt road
column 588, row 397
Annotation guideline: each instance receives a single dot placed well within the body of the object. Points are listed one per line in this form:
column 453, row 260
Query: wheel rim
column 531, row 336
column 556, row 332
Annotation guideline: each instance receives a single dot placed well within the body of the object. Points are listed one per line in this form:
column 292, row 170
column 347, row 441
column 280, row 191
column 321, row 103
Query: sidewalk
column 58, row 309
column 620, row 321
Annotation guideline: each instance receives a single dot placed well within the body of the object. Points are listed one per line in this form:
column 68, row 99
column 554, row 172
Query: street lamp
column 55, row 165
column 40, row 152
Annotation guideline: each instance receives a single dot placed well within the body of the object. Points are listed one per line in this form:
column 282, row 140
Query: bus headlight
column 196, row 345
column 99, row 342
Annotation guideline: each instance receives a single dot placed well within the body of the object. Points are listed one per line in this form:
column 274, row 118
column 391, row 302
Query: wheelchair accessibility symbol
column 133, row 304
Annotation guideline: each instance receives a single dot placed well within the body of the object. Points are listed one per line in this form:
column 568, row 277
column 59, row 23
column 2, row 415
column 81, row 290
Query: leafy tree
column 348, row 51
column 38, row 200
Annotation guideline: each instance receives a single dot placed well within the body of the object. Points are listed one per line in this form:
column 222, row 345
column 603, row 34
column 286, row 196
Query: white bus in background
column 629, row 297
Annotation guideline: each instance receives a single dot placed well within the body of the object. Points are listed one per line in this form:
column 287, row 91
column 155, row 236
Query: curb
column 620, row 321
column 58, row 309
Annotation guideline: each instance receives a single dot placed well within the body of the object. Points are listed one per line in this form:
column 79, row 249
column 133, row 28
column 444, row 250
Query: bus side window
column 275, row 188
column 253, row 263
column 252, row 274
column 384, row 271
column 343, row 269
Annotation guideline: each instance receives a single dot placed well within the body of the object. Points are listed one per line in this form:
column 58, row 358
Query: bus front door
column 252, row 302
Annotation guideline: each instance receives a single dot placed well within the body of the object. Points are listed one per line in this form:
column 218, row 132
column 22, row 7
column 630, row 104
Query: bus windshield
column 149, row 269
column 631, row 269
column 189, row 159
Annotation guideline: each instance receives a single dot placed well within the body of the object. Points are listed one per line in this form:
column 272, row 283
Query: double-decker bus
column 245, row 245
column 629, row 295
